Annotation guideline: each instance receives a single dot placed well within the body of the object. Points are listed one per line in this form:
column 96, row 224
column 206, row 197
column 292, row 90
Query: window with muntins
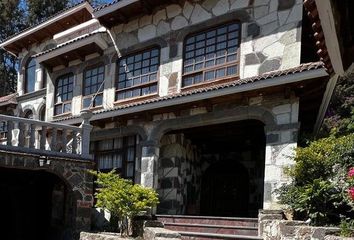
column 211, row 55
column 93, row 83
column 30, row 76
column 63, row 94
column 137, row 74
column 116, row 153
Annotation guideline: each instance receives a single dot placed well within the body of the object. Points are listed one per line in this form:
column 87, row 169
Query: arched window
column 42, row 113
column 63, row 94
column 30, row 78
column 28, row 114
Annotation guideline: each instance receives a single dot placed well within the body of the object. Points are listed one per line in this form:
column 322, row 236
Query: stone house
column 202, row 100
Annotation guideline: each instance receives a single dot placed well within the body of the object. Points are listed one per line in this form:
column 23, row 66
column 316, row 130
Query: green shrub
column 122, row 198
column 347, row 228
column 318, row 189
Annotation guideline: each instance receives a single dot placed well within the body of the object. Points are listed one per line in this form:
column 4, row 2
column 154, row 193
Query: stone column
column 86, row 131
column 149, row 156
column 281, row 141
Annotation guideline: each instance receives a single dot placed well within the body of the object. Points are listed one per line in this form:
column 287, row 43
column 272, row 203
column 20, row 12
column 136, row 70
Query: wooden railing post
column 86, row 127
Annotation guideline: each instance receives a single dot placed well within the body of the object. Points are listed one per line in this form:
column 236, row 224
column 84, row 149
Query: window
column 3, row 129
column 116, row 153
column 30, row 75
column 137, row 74
column 63, row 94
column 93, row 79
column 211, row 55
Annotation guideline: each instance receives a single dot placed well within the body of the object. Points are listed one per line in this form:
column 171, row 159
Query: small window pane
column 209, row 75
column 231, row 70
column 220, row 73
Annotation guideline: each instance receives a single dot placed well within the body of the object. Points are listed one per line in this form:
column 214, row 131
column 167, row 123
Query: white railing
column 45, row 138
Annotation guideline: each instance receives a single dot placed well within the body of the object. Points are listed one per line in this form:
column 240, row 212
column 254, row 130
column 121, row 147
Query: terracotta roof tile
column 66, row 44
column 8, row 99
column 312, row 13
column 236, row 83
column 106, row 5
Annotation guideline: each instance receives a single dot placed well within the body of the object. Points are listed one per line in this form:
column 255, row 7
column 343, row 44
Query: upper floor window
column 211, row 55
column 137, row 74
column 63, row 94
column 93, row 83
column 30, row 75
column 116, row 153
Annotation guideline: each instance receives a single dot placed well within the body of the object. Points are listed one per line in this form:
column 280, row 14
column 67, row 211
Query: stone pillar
column 281, row 141
column 149, row 156
column 85, row 134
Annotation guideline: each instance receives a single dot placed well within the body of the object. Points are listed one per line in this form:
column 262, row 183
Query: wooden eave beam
column 146, row 6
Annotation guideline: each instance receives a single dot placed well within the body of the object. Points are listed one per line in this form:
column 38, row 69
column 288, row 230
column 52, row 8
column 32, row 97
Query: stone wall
column 270, row 40
column 273, row 227
column 73, row 173
column 178, row 172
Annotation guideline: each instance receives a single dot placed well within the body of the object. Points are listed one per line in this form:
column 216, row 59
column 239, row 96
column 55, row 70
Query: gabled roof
column 64, row 19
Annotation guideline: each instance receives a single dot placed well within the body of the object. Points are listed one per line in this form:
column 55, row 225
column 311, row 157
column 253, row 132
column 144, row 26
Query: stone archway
column 74, row 177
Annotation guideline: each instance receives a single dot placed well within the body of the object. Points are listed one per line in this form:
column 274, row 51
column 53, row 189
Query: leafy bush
column 122, row 198
column 319, row 187
column 347, row 228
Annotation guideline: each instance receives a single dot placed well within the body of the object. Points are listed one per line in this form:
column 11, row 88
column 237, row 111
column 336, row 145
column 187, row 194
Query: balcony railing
column 45, row 138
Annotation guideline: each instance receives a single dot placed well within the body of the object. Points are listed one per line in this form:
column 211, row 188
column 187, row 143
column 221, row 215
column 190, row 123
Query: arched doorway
column 35, row 205
column 225, row 189
column 213, row 170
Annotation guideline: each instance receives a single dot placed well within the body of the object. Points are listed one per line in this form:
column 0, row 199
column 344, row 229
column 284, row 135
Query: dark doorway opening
column 34, row 205
column 225, row 190
column 214, row 170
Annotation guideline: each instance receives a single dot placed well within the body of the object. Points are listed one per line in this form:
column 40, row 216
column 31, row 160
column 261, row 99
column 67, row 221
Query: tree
column 122, row 198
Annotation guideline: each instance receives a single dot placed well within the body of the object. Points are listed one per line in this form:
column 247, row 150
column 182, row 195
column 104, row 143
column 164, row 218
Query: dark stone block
column 76, row 180
column 285, row 4
column 166, row 163
column 177, row 162
column 84, row 212
column 269, row 65
column 272, row 138
column 166, row 183
column 173, row 50
column 253, row 30
column 88, row 198
column 261, row 57
column 251, row 58
column 176, row 183
column 59, row 169
column 77, row 195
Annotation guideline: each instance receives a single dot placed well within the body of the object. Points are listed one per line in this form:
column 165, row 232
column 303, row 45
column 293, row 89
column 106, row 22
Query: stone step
column 210, row 228
column 210, row 236
column 209, row 220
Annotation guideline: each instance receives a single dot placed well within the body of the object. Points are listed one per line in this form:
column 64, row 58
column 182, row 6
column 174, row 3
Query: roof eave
column 111, row 8
column 46, row 23
column 276, row 81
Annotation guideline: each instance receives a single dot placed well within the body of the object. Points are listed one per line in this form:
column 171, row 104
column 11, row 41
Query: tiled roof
column 312, row 13
column 106, row 5
column 236, row 83
column 46, row 19
column 8, row 99
column 66, row 43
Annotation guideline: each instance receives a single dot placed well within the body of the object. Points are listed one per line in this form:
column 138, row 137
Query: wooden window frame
column 123, row 150
column 141, row 85
column 235, row 64
column 66, row 102
column 100, row 86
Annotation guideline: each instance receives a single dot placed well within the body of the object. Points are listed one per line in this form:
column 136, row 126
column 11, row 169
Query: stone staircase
column 200, row 227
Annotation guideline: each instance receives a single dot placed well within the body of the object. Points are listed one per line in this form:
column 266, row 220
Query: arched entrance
column 213, row 170
column 225, row 189
column 35, row 205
